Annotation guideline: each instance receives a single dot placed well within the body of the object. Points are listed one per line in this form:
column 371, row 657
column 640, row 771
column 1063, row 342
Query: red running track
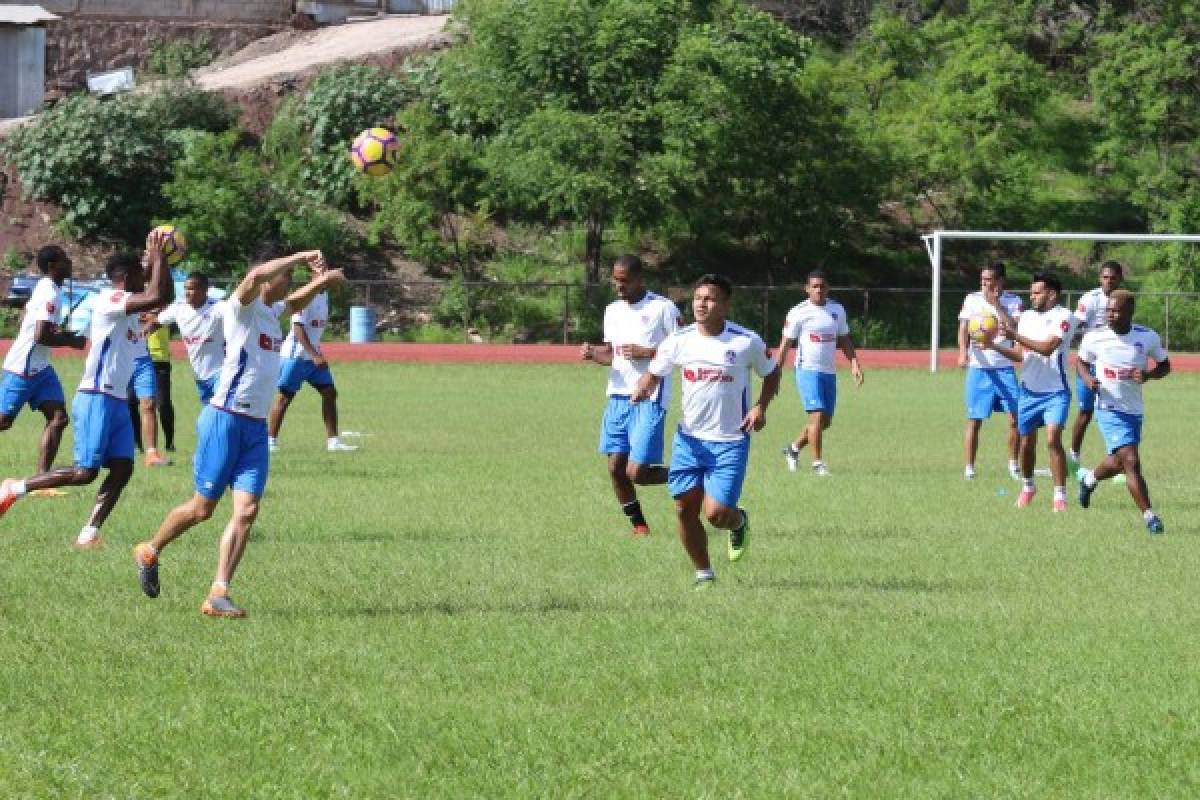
column 410, row 353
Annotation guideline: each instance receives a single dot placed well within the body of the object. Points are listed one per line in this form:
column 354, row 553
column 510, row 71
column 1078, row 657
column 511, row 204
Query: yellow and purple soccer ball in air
column 174, row 245
column 375, row 152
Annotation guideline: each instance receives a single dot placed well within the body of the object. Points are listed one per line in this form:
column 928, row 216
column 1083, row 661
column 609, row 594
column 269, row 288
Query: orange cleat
column 7, row 498
column 218, row 604
column 155, row 459
column 641, row 530
column 147, row 563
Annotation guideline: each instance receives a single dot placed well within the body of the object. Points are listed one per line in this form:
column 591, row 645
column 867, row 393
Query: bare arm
column 600, row 353
column 159, row 289
column 1013, row 354
column 301, row 333
column 962, row 342
column 846, row 343
column 645, row 387
column 785, row 347
column 1084, row 370
column 1044, row 347
column 322, row 280
column 756, row 417
column 1161, row 370
column 247, row 290
column 52, row 335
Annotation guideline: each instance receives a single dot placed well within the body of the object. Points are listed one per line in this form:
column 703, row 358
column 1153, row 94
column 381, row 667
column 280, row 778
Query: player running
column 712, row 446
column 28, row 375
column 303, row 361
column 200, row 326
column 1092, row 315
column 991, row 380
column 231, row 450
column 103, row 431
column 631, row 435
column 1042, row 336
column 819, row 326
column 1112, row 362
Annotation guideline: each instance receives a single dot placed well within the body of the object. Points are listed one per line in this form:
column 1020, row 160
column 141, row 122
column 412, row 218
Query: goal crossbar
column 933, row 246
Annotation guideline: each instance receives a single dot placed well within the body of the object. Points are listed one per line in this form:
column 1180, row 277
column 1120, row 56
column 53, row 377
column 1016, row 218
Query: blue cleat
column 1155, row 526
column 1085, row 494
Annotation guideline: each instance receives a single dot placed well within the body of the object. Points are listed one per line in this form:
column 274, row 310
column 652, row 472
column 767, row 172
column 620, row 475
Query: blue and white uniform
column 1115, row 358
column 232, row 432
column 1090, row 315
column 815, row 329
column 298, row 366
column 143, row 384
column 1045, row 391
column 103, row 431
column 636, row 428
column 203, row 333
column 710, row 448
column 991, row 380
column 28, row 376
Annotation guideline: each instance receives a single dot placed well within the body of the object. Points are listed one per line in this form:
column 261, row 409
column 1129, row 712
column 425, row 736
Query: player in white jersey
column 201, row 327
column 28, row 376
column 1042, row 338
column 991, row 383
column 712, row 446
column 1092, row 315
column 816, row 328
column 1113, row 363
column 304, row 362
column 231, row 449
column 631, row 434
column 103, row 433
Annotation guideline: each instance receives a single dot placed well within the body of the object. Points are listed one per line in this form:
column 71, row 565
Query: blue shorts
column 633, row 428
column 1040, row 409
column 103, row 431
column 36, row 390
column 818, row 390
column 1119, row 429
column 1087, row 397
column 206, row 389
column 231, row 451
column 990, row 390
column 293, row 372
column 719, row 466
column 142, row 383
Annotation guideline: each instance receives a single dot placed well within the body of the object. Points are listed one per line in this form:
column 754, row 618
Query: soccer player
column 231, row 450
column 712, row 446
column 631, row 435
column 1091, row 315
column 143, row 389
column 991, row 380
column 1112, row 362
column 28, row 375
column 819, row 326
column 158, row 342
column 99, row 411
column 303, row 361
column 1042, row 338
column 200, row 326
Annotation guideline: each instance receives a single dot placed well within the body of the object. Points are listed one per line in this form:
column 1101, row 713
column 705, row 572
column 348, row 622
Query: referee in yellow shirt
column 159, row 345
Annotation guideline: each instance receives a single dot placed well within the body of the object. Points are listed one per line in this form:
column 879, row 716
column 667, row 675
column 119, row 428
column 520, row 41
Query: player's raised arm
column 322, row 279
column 159, row 290
column 247, row 290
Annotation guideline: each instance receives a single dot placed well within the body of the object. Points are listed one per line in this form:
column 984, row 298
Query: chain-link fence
column 572, row 313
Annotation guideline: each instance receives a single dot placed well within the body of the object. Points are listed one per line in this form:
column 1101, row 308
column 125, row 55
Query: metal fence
column 572, row 313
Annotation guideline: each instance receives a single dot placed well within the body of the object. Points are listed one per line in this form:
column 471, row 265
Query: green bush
column 175, row 58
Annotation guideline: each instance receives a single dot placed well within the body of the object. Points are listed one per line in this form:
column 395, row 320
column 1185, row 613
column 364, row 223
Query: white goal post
column 933, row 246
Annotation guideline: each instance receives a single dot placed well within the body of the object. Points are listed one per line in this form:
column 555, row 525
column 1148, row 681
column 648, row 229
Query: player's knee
column 201, row 511
column 82, row 476
column 5, row 422
column 329, row 393
column 57, row 420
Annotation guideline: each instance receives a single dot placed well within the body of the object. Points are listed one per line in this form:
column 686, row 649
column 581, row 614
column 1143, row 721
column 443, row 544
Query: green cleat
column 738, row 538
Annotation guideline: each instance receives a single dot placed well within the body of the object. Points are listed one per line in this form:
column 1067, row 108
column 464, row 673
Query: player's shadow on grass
column 912, row 585
column 450, row 608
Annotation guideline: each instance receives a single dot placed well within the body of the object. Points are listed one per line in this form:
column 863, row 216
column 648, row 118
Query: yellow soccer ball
column 983, row 327
column 174, row 245
column 375, row 152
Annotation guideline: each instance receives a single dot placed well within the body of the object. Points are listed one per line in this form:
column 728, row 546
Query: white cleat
column 969, row 474
column 340, row 447
column 820, row 469
column 792, row 457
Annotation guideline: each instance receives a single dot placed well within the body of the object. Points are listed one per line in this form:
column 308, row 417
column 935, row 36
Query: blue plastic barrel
column 362, row 324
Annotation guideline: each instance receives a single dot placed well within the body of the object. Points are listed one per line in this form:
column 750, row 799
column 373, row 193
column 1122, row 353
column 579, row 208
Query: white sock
column 19, row 490
column 970, row 470
column 1074, row 456
column 272, row 440
column 332, row 441
column 1148, row 514
column 221, row 586
column 1013, row 466
column 88, row 533
column 1030, row 485
column 1088, row 479
column 1060, row 493
column 818, row 463
column 705, row 574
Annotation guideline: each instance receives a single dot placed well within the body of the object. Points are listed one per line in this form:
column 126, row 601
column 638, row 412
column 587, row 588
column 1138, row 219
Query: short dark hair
column 997, row 268
column 631, row 263
column 816, row 273
column 1049, row 278
column 198, row 277
column 50, row 254
column 1115, row 266
column 119, row 265
column 1123, row 294
column 713, row 279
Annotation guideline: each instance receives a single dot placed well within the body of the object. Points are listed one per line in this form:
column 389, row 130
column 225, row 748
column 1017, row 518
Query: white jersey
column 816, row 330
column 1040, row 373
column 648, row 323
column 973, row 305
column 115, row 336
column 716, row 378
column 1116, row 356
column 26, row 357
column 1090, row 313
column 203, row 333
column 314, row 317
column 251, row 367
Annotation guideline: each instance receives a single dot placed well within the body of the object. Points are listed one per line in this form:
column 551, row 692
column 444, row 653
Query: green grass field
column 455, row 611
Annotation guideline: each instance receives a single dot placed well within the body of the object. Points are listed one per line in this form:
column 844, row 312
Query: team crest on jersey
column 1139, row 346
column 730, row 357
column 117, row 295
column 50, row 307
column 268, row 343
column 1064, row 326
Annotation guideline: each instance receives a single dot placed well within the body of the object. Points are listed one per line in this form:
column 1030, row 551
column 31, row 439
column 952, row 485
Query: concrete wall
column 265, row 11
column 22, row 69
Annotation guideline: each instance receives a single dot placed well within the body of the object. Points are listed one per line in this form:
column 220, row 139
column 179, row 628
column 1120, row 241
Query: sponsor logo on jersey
column 706, row 375
column 818, row 338
column 266, row 342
